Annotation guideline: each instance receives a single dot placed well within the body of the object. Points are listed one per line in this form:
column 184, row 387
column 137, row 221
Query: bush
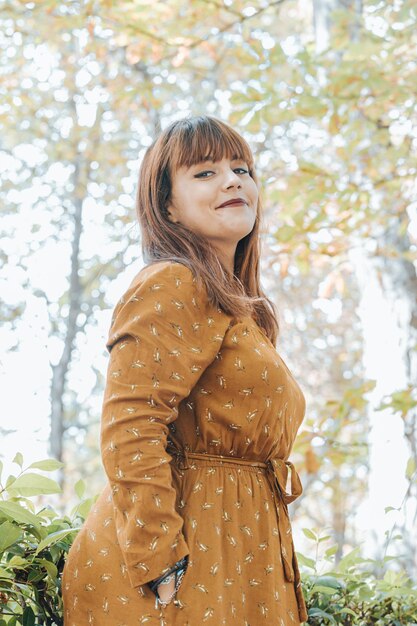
column 33, row 545
column 351, row 593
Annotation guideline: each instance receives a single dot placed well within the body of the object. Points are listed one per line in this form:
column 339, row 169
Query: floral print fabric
column 199, row 417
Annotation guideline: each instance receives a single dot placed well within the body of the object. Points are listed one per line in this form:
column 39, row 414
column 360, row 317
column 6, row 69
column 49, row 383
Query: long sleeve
column 164, row 334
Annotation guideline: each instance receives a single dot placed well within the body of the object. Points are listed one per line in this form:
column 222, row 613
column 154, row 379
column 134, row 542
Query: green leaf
column 351, row 558
column 53, row 538
column 1, row 469
column 328, row 581
column 35, row 576
column 332, row 550
column 47, row 513
column 18, row 459
column 4, row 574
column 80, row 488
column 31, row 484
column 9, row 534
column 366, row 593
column 10, row 480
column 316, row 612
column 50, row 567
column 28, row 617
column 348, row 611
column 83, row 508
column 17, row 562
column 394, row 578
column 329, row 591
column 48, row 465
column 18, row 513
column 303, row 560
column 411, row 467
column 310, row 534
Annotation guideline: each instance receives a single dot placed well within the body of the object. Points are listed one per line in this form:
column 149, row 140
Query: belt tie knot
column 278, row 473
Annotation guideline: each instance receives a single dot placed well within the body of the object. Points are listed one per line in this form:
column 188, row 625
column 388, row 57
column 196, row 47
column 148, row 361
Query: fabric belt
column 276, row 471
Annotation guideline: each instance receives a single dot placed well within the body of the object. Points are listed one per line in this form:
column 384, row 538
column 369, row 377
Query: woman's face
column 198, row 192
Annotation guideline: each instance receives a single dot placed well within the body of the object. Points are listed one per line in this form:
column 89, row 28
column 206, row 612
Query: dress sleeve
column 164, row 334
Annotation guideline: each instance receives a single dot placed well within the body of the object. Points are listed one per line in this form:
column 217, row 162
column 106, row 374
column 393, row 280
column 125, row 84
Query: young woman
column 199, row 415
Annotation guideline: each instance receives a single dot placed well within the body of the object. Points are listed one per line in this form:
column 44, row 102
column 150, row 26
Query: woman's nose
column 231, row 179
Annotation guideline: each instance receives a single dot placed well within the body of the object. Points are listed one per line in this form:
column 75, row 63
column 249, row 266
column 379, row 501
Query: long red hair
column 184, row 143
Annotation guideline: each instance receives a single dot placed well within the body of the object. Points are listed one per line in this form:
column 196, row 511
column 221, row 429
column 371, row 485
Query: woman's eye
column 202, row 174
column 240, row 170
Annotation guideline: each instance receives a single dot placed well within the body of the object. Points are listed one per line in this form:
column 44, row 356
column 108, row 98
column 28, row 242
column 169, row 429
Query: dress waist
column 189, row 459
column 276, row 471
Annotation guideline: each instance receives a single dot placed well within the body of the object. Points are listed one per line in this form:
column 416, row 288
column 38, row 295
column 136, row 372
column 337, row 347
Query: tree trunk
column 322, row 16
column 59, row 371
column 388, row 312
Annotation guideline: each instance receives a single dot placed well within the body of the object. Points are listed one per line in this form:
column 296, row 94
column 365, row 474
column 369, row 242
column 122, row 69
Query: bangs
column 202, row 139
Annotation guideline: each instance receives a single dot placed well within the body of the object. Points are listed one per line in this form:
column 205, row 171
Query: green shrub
column 352, row 594
column 33, row 545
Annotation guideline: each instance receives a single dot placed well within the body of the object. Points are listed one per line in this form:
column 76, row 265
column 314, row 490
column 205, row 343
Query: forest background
column 325, row 93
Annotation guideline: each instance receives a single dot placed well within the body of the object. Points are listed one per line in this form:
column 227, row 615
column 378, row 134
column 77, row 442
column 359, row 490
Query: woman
column 199, row 415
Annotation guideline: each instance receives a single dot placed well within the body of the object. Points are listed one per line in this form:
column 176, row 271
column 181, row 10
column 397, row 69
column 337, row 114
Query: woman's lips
column 235, row 202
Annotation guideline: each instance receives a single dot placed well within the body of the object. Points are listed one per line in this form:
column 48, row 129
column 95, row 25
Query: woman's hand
column 166, row 586
column 166, row 591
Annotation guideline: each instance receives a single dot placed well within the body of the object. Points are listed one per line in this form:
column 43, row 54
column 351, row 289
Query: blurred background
column 325, row 93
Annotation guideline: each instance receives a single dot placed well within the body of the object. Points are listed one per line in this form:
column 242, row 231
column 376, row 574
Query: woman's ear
column 170, row 218
column 170, row 214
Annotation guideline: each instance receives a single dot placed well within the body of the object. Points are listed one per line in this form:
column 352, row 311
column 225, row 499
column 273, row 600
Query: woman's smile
column 232, row 202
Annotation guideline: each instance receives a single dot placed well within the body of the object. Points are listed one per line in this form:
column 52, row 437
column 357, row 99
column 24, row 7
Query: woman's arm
column 164, row 334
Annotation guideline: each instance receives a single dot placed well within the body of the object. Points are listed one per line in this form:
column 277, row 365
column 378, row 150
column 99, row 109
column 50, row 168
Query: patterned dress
column 199, row 417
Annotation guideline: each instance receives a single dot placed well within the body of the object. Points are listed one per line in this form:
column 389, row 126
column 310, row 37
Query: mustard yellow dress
column 199, row 417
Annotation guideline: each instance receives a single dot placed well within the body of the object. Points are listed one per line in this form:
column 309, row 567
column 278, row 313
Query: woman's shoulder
column 161, row 269
column 164, row 276
column 164, row 289
column 161, row 280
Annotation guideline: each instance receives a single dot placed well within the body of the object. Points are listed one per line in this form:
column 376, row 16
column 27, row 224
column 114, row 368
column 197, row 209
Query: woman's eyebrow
column 210, row 158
